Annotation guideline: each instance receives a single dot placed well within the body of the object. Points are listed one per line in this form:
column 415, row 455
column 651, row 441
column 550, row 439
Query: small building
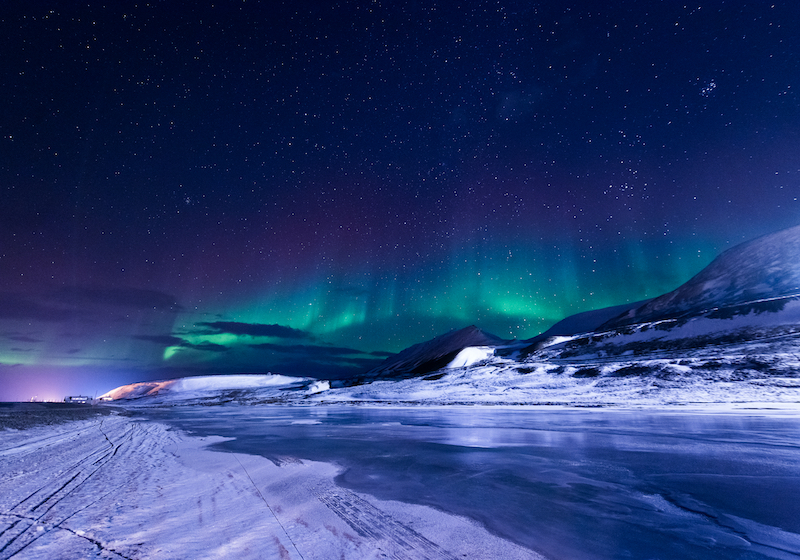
column 78, row 400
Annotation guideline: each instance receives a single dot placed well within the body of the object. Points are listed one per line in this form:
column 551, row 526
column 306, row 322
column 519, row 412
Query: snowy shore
column 120, row 488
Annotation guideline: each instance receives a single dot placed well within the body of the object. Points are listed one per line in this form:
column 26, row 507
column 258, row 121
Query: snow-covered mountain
column 749, row 275
column 586, row 321
column 435, row 354
column 750, row 294
column 729, row 335
column 214, row 387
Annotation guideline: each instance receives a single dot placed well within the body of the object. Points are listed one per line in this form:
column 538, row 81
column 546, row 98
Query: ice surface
column 566, row 483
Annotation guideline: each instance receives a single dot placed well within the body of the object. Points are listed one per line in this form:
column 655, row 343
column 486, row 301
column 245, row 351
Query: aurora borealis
column 304, row 187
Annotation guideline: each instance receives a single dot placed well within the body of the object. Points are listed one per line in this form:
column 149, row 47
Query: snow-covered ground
column 118, row 488
column 765, row 374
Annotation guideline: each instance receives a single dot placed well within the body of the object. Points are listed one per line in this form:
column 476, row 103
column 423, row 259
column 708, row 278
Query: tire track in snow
column 372, row 523
column 32, row 522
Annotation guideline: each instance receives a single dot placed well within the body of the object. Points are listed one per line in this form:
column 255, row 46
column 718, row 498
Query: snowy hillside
column 749, row 295
column 586, row 321
column 214, row 387
column 741, row 325
column 762, row 269
column 730, row 334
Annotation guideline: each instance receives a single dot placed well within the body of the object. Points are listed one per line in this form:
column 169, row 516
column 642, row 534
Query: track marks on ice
column 372, row 523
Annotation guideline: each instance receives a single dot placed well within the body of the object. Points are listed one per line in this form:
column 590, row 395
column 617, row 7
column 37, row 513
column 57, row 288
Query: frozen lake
column 565, row 483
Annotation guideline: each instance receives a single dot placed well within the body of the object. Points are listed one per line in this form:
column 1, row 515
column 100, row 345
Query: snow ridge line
column 268, row 506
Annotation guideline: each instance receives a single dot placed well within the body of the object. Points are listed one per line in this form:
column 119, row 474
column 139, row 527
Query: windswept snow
column 319, row 386
column 556, row 340
column 586, row 321
column 732, row 381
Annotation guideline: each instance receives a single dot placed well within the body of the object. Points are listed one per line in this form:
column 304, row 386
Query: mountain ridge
column 764, row 268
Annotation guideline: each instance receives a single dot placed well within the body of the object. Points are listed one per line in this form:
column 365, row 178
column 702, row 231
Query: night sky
column 303, row 187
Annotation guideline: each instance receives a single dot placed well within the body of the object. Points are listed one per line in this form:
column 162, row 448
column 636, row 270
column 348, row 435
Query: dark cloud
column 17, row 337
column 332, row 368
column 254, row 329
column 311, row 351
column 116, row 297
column 207, row 347
column 17, row 306
column 322, row 361
column 169, row 340
column 75, row 303
column 381, row 353
column 162, row 339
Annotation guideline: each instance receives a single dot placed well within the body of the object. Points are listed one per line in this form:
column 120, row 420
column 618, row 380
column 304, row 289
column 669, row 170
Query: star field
column 303, row 187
